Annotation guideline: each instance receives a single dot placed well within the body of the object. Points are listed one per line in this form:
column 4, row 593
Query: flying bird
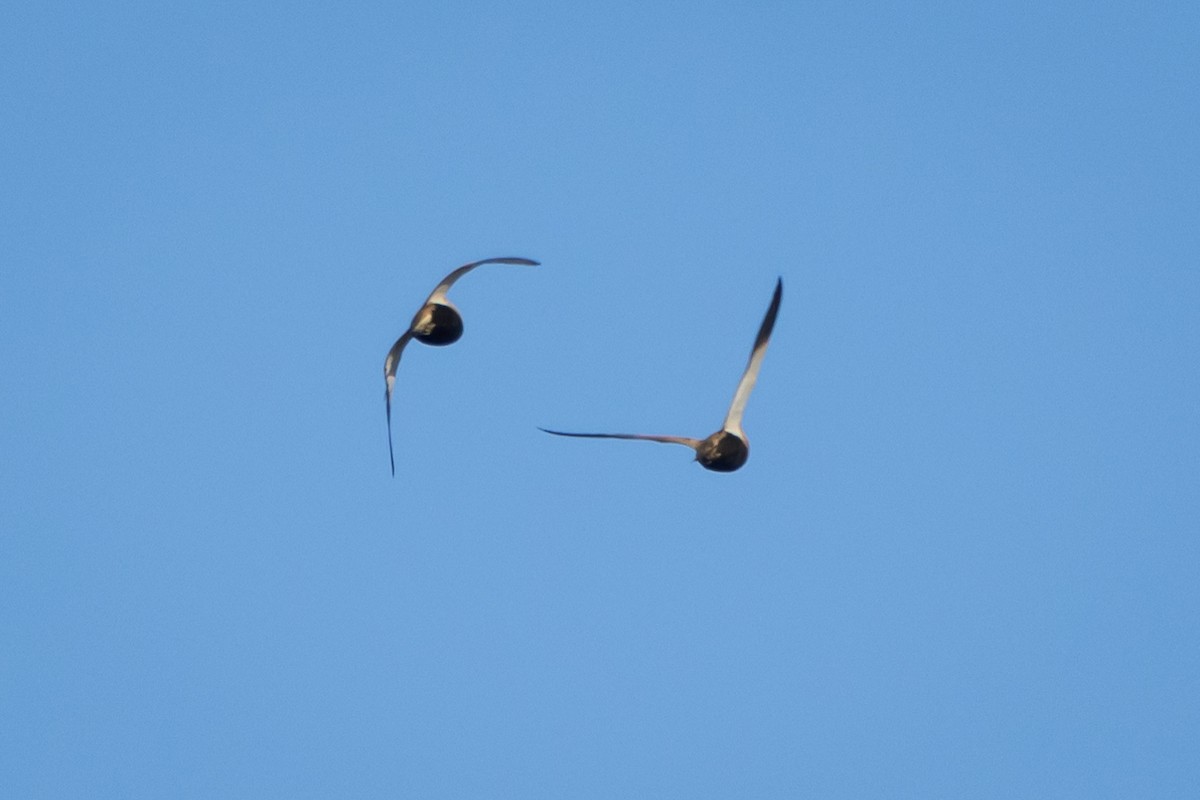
column 727, row 449
column 438, row 323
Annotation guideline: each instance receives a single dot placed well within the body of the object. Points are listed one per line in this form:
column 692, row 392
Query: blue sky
column 960, row 562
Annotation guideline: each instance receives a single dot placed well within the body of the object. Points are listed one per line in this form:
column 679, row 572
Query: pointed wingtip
column 768, row 323
column 387, row 399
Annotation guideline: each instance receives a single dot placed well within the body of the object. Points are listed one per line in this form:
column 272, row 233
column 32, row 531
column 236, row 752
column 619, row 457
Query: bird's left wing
column 645, row 437
column 389, row 377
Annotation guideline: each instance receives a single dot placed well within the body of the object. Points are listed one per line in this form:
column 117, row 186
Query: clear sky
column 961, row 561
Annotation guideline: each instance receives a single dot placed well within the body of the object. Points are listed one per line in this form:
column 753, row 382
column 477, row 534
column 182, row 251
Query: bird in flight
column 727, row 449
column 438, row 323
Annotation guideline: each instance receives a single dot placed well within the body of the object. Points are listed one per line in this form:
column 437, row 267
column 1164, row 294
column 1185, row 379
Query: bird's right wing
column 733, row 420
column 439, row 294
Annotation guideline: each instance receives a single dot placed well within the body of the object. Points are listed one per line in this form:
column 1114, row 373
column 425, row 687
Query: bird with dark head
column 437, row 323
column 727, row 449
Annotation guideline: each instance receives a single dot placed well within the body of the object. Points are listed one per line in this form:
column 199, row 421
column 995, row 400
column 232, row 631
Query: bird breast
column 722, row 452
column 437, row 324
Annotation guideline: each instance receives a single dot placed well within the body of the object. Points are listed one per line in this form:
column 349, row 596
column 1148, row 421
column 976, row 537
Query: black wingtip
column 768, row 323
column 579, row 435
column 388, row 405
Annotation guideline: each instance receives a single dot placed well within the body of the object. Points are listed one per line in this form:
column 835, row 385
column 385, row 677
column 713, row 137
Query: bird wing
column 439, row 294
column 692, row 443
column 389, row 376
column 733, row 420
column 393, row 357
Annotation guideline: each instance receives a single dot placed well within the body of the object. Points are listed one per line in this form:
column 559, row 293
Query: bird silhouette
column 727, row 449
column 438, row 323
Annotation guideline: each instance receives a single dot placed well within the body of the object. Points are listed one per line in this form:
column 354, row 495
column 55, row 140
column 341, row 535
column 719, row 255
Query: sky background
column 961, row 561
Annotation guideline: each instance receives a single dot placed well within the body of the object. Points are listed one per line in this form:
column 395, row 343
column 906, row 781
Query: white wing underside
column 389, row 376
column 439, row 293
column 733, row 420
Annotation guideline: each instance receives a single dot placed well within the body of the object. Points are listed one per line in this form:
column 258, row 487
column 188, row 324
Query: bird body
column 437, row 323
column 727, row 449
column 723, row 452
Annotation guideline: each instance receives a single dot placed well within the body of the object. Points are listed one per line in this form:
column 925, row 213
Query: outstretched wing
column 733, row 420
column 393, row 357
column 389, row 377
column 439, row 294
column 692, row 443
